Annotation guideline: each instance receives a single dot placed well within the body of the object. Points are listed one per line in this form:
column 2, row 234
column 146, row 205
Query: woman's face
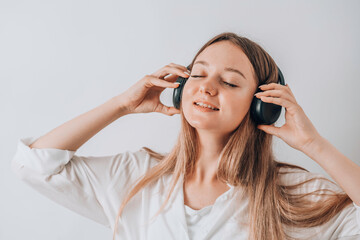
column 209, row 81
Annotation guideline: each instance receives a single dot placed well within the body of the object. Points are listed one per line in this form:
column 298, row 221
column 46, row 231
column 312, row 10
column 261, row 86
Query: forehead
column 225, row 54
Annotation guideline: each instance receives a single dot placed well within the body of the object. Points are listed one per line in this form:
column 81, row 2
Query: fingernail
column 187, row 73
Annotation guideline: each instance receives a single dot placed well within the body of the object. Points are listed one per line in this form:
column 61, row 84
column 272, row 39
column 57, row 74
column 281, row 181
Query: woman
column 221, row 180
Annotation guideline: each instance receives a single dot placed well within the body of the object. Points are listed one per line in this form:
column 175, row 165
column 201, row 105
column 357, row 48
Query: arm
column 83, row 184
column 344, row 171
column 74, row 133
column 87, row 184
column 299, row 133
column 142, row 97
column 49, row 164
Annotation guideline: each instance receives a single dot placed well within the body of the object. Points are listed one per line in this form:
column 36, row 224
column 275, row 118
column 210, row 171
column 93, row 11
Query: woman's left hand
column 298, row 131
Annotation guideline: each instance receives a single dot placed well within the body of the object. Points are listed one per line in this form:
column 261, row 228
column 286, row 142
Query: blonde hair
column 247, row 160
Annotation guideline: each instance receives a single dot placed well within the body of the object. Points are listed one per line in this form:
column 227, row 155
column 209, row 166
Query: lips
column 205, row 102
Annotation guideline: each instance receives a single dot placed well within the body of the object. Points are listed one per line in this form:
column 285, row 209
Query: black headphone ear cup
column 177, row 93
column 263, row 112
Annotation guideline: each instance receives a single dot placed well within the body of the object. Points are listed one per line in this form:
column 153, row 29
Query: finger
column 172, row 65
column 277, row 86
column 289, row 89
column 167, row 110
column 276, row 93
column 151, row 81
column 278, row 101
column 172, row 111
column 173, row 72
column 180, row 67
column 270, row 129
column 172, row 77
column 273, row 86
column 170, row 69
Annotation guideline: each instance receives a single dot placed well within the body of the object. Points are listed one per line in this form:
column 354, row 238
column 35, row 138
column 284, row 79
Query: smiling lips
column 202, row 105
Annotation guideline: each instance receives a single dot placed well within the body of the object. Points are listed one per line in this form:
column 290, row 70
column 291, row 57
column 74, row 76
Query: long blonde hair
column 247, row 160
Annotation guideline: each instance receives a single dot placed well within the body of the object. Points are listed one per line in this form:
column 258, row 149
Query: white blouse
column 94, row 187
column 196, row 219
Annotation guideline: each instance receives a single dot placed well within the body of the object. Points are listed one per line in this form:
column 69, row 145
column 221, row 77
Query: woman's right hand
column 144, row 95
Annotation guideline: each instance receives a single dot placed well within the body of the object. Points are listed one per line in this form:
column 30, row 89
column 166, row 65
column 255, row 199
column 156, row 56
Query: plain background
column 59, row 59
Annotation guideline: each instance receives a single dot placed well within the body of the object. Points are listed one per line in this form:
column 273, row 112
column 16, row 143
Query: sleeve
column 79, row 183
column 346, row 224
column 357, row 209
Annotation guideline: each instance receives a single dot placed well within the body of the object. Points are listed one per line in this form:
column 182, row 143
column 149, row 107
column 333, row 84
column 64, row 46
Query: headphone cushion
column 264, row 113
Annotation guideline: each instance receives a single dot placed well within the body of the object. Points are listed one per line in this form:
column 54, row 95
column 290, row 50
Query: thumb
column 269, row 129
column 168, row 110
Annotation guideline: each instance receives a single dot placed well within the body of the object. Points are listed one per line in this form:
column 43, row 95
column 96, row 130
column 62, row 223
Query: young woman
column 221, row 179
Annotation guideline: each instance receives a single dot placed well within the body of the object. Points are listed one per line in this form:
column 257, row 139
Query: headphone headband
column 281, row 79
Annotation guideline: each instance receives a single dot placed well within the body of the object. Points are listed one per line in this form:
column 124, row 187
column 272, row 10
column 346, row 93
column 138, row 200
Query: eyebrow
column 228, row 69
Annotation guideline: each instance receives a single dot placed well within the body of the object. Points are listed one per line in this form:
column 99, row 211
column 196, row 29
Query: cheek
column 237, row 106
column 187, row 94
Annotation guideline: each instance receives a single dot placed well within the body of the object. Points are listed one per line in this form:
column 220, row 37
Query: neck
column 206, row 164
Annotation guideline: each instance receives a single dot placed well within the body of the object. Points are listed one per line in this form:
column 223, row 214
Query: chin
column 201, row 125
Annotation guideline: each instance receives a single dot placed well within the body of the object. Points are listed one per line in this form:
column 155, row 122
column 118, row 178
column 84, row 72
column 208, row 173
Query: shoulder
column 125, row 167
column 141, row 159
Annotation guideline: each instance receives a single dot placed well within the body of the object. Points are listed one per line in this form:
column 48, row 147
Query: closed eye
column 229, row 84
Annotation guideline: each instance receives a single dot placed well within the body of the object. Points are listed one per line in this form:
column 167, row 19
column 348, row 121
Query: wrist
column 120, row 105
column 315, row 147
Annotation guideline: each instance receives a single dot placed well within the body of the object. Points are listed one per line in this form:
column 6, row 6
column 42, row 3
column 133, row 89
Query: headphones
column 261, row 112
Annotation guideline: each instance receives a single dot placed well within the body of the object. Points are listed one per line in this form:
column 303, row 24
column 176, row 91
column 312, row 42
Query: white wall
column 59, row 59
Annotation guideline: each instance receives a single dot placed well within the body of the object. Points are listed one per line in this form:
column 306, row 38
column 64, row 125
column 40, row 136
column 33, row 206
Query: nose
column 207, row 85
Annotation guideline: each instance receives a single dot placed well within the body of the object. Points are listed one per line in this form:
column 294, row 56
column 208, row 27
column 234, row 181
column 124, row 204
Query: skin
column 214, row 128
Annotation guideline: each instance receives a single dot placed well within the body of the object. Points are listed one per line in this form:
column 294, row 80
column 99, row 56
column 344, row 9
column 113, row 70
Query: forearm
column 75, row 132
column 344, row 171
